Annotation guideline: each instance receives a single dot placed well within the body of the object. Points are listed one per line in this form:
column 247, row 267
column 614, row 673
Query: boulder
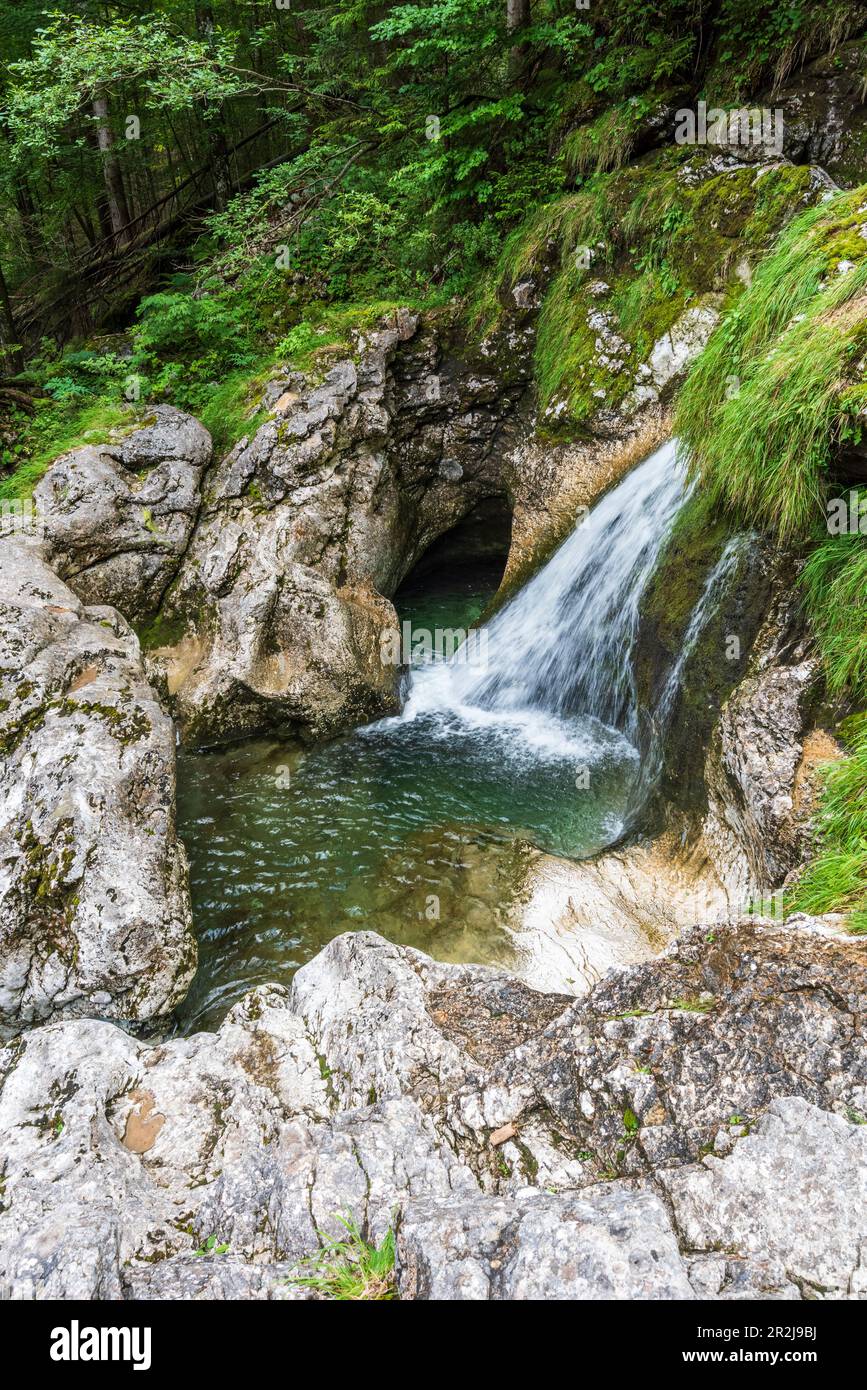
column 118, row 517
column 95, row 915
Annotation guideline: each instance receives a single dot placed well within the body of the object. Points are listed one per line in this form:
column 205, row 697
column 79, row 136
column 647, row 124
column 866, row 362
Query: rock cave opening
column 457, row 576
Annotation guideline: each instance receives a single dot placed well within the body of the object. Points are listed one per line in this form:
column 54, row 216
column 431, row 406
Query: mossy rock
column 721, row 653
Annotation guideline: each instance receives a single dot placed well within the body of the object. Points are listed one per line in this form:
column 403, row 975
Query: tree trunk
column 115, row 194
column 517, row 18
column 517, row 14
column 215, row 130
column 8, row 332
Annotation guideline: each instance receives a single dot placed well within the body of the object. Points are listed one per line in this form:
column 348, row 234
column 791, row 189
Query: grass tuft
column 350, row 1270
column 836, row 880
column 835, row 585
column 780, row 382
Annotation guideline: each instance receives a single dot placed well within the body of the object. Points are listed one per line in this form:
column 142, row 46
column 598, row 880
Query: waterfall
column 562, row 647
column 703, row 611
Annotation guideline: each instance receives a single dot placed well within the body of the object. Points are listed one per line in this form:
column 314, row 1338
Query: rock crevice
column 662, row 1138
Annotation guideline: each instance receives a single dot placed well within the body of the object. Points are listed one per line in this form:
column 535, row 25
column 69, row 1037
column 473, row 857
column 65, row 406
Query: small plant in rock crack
column 349, row 1269
column 702, row 1004
column 211, row 1247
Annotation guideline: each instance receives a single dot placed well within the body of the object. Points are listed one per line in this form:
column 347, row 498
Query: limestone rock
column 308, row 528
column 746, row 1201
column 573, row 922
column 191, row 1278
column 759, row 799
column 95, row 915
column 518, row 1142
column 118, row 517
column 604, row 1244
column 673, row 352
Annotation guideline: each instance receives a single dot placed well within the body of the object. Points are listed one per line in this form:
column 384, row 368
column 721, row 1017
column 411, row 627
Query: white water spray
column 563, row 646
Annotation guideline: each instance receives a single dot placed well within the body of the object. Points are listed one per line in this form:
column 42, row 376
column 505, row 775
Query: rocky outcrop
column 307, row 529
column 825, row 114
column 761, row 765
column 524, row 1145
column 118, row 517
column 95, row 915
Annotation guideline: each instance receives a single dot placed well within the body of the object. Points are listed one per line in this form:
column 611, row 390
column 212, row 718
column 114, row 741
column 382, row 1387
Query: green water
column 413, row 828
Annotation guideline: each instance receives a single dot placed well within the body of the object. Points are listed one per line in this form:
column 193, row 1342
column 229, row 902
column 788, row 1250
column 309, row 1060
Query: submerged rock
column 519, row 1142
column 118, row 517
column 94, row 907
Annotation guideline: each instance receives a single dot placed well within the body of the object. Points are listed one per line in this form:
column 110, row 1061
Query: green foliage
column 59, row 426
column 657, row 242
column 212, row 1246
column 72, row 61
column 755, row 41
column 779, row 388
column 187, row 340
column 631, row 1122
column 835, row 584
column 836, row 880
column 350, row 1270
column 762, row 408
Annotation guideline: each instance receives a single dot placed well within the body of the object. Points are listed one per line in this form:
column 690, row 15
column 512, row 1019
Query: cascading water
column 563, row 646
column 713, row 587
column 412, row 826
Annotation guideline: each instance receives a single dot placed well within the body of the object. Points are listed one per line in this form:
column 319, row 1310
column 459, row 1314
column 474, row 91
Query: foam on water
column 554, row 674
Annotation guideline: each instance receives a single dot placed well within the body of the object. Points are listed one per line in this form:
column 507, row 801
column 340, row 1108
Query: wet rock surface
column 678, row 1133
column 94, row 908
column 700, row 616
column 825, row 114
column 758, row 825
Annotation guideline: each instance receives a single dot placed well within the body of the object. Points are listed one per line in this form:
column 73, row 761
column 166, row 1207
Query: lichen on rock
column 95, row 904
